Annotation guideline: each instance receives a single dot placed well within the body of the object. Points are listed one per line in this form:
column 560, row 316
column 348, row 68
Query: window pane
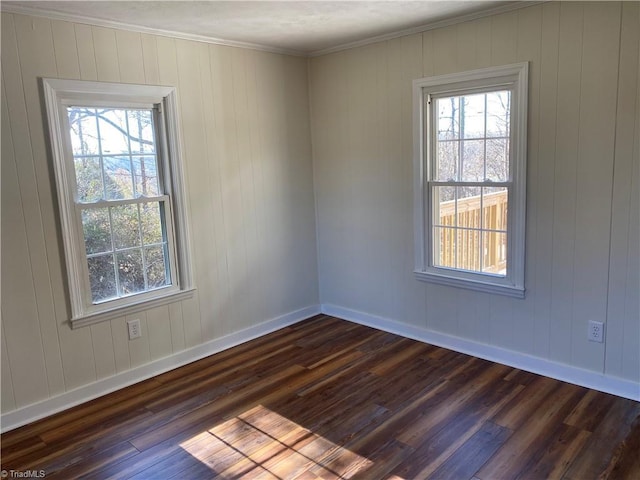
column 472, row 113
column 448, row 112
column 447, row 160
column 472, row 161
column 151, row 223
column 444, row 244
column 83, row 128
column 494, row 253
column 114, row 138
column 96, row 229
column 126, row 226
column 469, row 214
column 118, row 178
column 495, row 202
column 468, row 251
column 88, row 179
column 498, row 113
column 444, row 201
column 156, row 269
column 498, row 159
column 146, row 175
column 141, row 131
column 130, row 272
column 102, row 278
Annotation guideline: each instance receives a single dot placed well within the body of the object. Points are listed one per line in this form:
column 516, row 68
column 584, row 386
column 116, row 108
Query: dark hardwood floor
column 331, row 399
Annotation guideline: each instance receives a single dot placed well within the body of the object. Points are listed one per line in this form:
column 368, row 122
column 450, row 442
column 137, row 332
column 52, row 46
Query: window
column 469, row 169
column 120, row 190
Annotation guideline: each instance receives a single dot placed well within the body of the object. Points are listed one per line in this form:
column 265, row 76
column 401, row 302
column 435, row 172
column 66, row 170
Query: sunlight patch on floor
column 262, row 443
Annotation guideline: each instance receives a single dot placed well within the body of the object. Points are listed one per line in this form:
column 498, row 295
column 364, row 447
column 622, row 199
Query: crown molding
column 517, row 5
column 100, row 22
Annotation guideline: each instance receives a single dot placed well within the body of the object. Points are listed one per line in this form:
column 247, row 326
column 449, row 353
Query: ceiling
column 298, row 27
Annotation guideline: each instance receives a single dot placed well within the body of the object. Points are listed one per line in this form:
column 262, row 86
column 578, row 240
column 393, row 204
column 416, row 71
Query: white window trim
column 59, row 93
column 515, row 77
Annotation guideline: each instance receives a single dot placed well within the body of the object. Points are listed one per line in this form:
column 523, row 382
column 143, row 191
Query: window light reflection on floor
column 261, row 443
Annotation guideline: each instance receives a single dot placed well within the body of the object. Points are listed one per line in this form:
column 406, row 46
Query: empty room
column 320, row 240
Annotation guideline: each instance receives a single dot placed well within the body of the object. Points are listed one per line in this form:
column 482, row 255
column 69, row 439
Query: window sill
column 93, row 318
column 470, row 284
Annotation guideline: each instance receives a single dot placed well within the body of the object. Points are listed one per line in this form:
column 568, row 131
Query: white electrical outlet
column 596, row 331
column 134, row 328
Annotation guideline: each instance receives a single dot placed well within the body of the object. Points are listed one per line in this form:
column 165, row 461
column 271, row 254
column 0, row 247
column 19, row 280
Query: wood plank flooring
column 328, row 399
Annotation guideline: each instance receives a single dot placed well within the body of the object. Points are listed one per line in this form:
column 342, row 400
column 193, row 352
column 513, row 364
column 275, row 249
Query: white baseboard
column 566, row 373
column 36, row 411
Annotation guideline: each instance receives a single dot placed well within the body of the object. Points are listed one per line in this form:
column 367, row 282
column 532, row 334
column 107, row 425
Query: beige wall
column 583, row 202
column 245, row 125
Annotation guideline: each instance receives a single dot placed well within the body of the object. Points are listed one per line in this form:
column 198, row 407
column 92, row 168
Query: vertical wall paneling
column 244, row 173
column 394, row 179
column 601, row 36
column 248, row 180
column 581, row 264
column 159, row 332
column 232, row 189
column 103, row 351
column 213, row 97
column 631, row 358
column 86, row 53
column 120, row 339
column 130, row 57
column 320, row 95
column 504, row 47
column 359, row 105
column 177, row 327
column 37, row 59
column 20, row 319
column 259, row 273
column 383, row 173
column 528, row 46
column 150, row 59
column 300, row 197
column 445, row 51
column 14, row 103
column 195, row 156
column 64, row 39
column 542, row 243
column 7, row 398
column 209, row 305
column 624, row 248
column 568, row 124
column 106, row 52
column 413, row 294
column 17, row 280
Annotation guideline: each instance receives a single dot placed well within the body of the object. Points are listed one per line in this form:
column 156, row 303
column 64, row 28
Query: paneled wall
column 245, row 126
column 582, row 186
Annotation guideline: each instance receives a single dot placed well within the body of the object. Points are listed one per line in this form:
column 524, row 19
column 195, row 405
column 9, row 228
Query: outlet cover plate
column 134, row 328
column 596, row 331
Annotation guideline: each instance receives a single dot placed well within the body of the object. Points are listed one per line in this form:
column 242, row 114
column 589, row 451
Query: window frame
column 512, row 77
column 60, row 94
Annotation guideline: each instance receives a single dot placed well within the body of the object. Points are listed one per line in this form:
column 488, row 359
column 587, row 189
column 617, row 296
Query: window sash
column 166, row 219
column 432, row 140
